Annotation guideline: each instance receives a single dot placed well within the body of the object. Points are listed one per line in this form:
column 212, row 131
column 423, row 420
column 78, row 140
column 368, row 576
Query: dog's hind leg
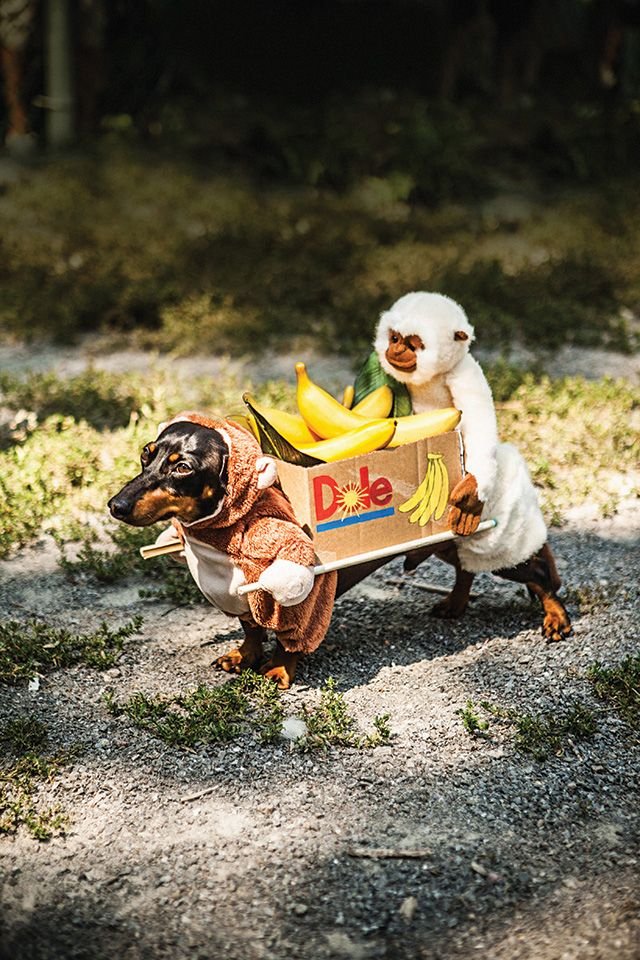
column 455, row 603
column 248, row 654
column 540, row 575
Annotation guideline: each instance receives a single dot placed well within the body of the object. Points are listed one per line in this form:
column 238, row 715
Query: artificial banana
column 323, row 415
column 372, row 435
column 348, row 395
column 378, row 403
column 289, row 425
column 420, row 426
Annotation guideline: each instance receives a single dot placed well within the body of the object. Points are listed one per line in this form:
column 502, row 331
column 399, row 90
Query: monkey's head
column 422, row 335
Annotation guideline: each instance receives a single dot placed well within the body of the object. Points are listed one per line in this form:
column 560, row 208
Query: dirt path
column 439, row 845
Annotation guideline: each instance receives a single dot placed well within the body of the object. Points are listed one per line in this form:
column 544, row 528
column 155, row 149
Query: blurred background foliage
column 255, row 173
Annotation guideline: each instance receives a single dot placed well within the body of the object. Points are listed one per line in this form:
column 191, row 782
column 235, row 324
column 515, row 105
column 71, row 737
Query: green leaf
column 274, row 444
column 372, row 376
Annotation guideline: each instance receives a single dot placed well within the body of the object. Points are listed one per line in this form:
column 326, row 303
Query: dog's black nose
column 119, row 507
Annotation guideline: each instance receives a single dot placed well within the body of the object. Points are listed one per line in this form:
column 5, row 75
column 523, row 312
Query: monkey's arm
column 471, row 394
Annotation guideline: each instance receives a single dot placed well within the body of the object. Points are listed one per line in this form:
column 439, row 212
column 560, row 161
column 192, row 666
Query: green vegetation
column 310, row 236
column 60, row 477
column 248, row 703
column 541, row 735
column 208, row 714
column 67, row 468
column 619, row 686
column 471, row 721
column 30, row 648
column 329, row 724
column 23, row 765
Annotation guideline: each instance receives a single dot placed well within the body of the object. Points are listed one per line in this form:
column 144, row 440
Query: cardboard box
column 351, row 506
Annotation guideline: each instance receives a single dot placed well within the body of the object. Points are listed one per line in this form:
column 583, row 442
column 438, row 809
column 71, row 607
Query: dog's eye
column 183, row 468
column 394, row 338
column 147, row 453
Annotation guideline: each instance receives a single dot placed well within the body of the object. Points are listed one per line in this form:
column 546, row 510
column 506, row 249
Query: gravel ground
column 512, row 858
column 439, row 845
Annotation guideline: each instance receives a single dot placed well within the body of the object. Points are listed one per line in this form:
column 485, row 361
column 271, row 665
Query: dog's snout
column 120, row 507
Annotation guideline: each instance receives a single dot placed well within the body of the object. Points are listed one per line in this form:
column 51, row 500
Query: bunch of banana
column 431, row 497
column 328, row 430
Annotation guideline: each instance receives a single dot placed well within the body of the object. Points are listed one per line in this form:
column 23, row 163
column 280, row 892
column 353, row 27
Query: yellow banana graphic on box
column 371, row 435
column 432, row 495
column 376, row 404
column 420, row 426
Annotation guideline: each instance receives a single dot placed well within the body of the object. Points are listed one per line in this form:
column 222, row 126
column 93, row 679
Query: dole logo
column 351, row 502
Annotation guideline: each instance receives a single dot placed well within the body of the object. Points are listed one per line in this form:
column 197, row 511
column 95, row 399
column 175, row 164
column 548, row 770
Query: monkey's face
column 423, row 335
column 401, row 351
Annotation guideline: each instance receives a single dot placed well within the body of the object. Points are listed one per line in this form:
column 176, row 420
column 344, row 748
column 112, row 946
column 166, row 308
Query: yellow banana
column 289, row 425
column 378, row 403
column 348, row 395
column 444, row 491
column 322, row 413
column 419, row 426
column 366, row 438
column 431, row 502
column 417, row 513
column 245, row 420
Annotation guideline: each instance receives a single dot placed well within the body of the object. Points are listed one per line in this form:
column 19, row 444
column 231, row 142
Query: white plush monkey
column 423, row 341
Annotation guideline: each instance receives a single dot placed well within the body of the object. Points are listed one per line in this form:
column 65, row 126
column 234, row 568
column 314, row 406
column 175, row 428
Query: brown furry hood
column 255, row 527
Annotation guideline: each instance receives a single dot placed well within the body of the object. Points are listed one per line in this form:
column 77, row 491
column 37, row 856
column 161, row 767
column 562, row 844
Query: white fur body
column 447, row 375
column 513, row 502
column 217, row 577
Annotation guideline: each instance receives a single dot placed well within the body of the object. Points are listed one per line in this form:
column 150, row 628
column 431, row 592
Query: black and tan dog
column 185, row 477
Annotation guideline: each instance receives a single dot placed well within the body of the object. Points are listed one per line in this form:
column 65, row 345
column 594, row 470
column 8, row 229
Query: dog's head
column 184, row 474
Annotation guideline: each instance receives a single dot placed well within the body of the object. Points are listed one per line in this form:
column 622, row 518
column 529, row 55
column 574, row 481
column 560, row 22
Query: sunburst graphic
column 350, row 499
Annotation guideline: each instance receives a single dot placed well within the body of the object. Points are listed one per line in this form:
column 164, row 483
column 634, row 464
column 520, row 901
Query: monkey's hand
column 465, row 507
column 287, row 582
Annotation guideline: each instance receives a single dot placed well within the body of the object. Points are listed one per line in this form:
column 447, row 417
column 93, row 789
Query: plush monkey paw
column 267, row 472
column 465, row 507
column 287, row 582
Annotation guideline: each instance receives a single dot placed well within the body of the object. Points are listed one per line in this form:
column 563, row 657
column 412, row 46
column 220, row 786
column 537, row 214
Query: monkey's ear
column 460, row 335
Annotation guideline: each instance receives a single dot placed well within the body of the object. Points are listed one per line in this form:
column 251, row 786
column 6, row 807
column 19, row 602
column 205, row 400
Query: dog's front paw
column 235, row 661
column 280, row 675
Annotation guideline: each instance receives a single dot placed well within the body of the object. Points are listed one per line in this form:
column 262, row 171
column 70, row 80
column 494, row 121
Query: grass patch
column 580, row 439
column 540, row 735
column 329, row 724
column 207, row 714
column 247, row 704
column 24, row 765
column 30, row 648
column 619, row 686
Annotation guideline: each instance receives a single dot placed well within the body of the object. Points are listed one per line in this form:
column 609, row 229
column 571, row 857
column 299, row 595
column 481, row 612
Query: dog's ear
column 267, row 472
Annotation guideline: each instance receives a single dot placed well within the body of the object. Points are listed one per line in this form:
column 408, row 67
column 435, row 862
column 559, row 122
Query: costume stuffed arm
column 471, row 393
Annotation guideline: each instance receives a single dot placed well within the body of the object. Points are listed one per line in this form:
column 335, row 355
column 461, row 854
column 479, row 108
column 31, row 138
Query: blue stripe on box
column 359, row 518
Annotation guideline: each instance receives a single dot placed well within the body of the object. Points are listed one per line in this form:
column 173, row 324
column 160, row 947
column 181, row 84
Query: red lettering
column 381, row 492
column 364, row 486
column 319, row 483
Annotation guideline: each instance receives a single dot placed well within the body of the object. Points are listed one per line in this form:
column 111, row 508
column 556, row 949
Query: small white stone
column 293, row 728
